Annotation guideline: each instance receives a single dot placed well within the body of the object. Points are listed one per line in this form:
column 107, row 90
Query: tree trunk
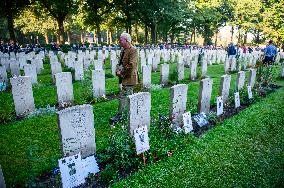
column 153, row 34
column 194, row 35
column 239, row 37
column 117, row 36
column 136, row 32
column 191, row 37
column 257, row 37
column 11, row 26
column 216, row 37
column 107, row 37
column 99, row 34
column 69, row 37
column 245, row 37
column 128, row 18
column 232, row 34
column 146, row 34
column 172, row 37
column 57, row 38
column 82, row 37
column 61, row 30
column 46, row 38
column 110, row 36
column 206, row 36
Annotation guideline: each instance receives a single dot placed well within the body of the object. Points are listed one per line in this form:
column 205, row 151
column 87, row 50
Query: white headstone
column 225, row 87
column 3, row 74
column 77, row 130
column 114, row 63
column 146, row 71
column 204, row 68
column 193, row 67
column 98, row 80
column 180, row 71
column 205, row 91
column 98, row 64
column 241, row 80
column 55, row 68
column 38, row 64
column 165, row 68
column 227, row 65
column 15, row 68
column 6, row 64
column 64, row 88
column 79, row 71
column 22, row 95
column 30, row 70
column 139, row 111
column 252, row 77
column 178, row 104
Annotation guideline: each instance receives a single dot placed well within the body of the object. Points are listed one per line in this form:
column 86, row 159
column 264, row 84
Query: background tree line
column 149, row 21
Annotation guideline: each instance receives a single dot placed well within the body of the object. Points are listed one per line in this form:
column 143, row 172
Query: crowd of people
column 232, row 50
column 11, row 47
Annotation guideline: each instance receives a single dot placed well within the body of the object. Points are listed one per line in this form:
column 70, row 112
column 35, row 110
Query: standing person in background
column 270, row 53
column 231, row 54
column 127, row 72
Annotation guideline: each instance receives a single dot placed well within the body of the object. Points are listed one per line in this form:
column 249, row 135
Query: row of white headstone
column 77, row 123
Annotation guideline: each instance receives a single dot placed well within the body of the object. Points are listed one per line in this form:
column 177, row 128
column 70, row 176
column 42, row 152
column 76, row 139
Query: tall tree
column 273, row 22
column 30, row 21
column 60, row 9
column 10, row 9
column 97, row 12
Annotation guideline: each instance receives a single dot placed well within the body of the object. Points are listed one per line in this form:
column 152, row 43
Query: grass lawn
column 31, row 146
column 244, row 151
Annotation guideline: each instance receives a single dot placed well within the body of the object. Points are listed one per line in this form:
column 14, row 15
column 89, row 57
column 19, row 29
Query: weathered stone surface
column 178, row 103
column 240, row 80
column 98, row 80
column 226, row 65
column 3, row 74
column 180, row 71
column 22, row 95
column 79, row 71
column 164, row 76
column 252, row 77
column 193, row 71
column 55, row 68
column 139, row 111
column 146, row 71
column 15, row 68
column 114, row 63
column 30, row 70
column 225, row 83
column 77, row 131
column 205, row 91
column 204, row 67
column 64, row 88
